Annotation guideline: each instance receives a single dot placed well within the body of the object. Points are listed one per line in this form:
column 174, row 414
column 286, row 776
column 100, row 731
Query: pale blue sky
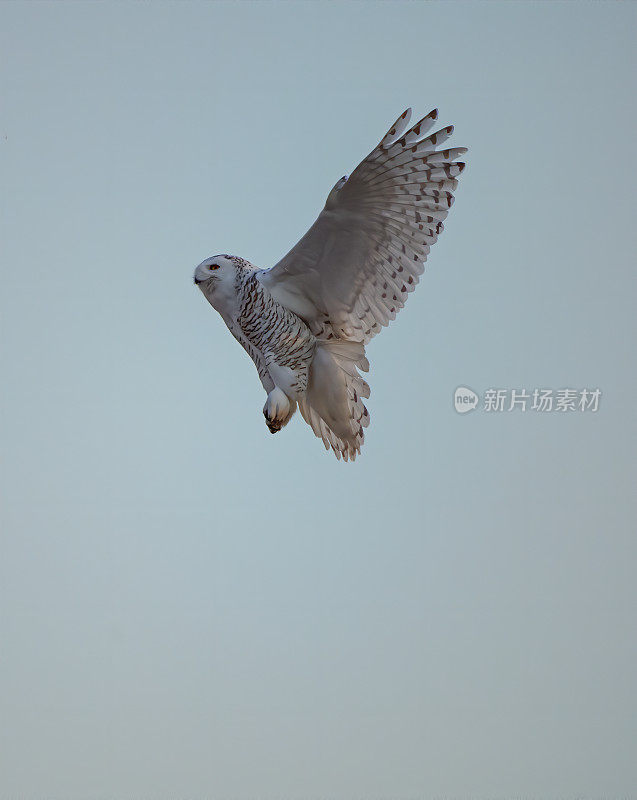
column 192, row 607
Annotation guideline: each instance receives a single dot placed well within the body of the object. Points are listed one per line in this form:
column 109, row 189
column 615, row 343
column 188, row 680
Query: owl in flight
column 305, row 322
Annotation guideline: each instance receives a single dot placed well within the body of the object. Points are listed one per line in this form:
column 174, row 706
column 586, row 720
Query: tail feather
column 333, row 403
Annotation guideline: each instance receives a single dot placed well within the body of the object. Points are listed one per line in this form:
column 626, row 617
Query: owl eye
column 214, row 266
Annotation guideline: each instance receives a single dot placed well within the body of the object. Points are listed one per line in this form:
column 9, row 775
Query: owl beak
column 196, row 282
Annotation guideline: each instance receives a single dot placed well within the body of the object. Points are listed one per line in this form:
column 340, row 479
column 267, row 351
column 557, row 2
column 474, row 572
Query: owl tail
column 332, row 405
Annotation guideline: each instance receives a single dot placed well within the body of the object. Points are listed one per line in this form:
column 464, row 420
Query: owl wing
column 352, row 271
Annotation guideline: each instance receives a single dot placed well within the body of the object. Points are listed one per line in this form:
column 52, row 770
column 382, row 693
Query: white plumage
column 306, row 321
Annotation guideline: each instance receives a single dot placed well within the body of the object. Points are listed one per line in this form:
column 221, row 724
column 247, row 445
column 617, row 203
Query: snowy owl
column 305, row 322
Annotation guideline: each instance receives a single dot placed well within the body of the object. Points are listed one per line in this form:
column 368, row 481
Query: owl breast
column 277, row 338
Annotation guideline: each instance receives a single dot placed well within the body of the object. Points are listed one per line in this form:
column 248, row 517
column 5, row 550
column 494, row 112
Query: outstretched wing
column 352, row 271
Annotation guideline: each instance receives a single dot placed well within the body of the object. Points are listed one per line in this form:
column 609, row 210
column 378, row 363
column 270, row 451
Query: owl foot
column 276, row 410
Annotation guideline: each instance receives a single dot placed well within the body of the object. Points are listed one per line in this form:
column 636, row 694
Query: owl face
column 214, row 270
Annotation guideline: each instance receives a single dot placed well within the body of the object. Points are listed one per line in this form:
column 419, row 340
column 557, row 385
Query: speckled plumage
column 306, row 321
column 276, row 336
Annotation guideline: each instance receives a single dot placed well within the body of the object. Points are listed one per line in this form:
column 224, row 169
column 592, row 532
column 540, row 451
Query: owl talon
column 273, row 425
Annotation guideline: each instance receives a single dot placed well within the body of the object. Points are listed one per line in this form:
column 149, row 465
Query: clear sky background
column 194, row 608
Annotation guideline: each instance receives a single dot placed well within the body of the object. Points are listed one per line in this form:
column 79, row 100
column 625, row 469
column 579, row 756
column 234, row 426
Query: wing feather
column 352, row 271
